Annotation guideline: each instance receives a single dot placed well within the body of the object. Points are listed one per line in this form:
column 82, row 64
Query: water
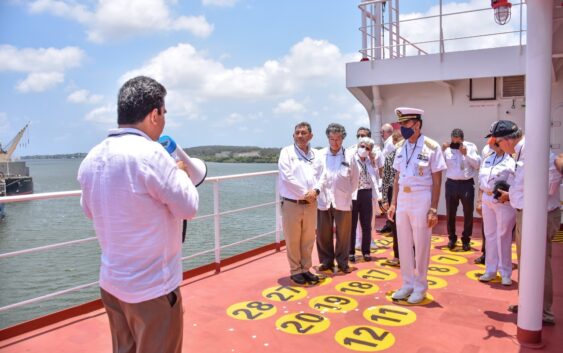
column 39, row 223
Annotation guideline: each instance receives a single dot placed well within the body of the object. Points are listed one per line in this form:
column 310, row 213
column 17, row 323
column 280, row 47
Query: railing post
column 441, row 35
column 217, row 219
column 364, row 34
column 278, row 216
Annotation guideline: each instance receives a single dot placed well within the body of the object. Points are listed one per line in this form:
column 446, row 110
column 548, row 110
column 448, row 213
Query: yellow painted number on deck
column 442, row 270
column 251, row 310
column 390, row 315
column 302, row 323
column 365, row 338
column 374, row 274
column 436, row 282
column 357, row 288
column 284, row 293
column 449, row 259
column 333, row 303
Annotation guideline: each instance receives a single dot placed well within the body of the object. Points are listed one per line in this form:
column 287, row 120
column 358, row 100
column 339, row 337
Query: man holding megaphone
column 137, row 195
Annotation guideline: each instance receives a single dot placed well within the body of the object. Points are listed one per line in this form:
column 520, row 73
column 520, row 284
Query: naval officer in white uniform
column 419, row 163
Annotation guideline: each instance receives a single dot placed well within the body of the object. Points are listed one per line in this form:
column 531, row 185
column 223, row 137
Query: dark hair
column 361, row 128
column 304, row 124
column 457, row 133
column 138, row 97
column 336, row 128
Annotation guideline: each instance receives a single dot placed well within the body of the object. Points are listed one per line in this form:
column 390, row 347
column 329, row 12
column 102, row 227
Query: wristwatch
column 432, row 210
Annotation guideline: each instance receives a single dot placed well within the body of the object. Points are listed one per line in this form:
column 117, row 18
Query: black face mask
column 455, row 145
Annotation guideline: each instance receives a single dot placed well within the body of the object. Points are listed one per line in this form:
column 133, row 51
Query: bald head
column 386, row 131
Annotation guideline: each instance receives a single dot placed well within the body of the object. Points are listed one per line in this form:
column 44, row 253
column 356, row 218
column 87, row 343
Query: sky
column 238, row 72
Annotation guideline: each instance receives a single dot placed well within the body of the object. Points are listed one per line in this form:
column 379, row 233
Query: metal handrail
column 375, row 52
column 216, row 214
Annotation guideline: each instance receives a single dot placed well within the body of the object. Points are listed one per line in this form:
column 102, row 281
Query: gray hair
column 336, row 128
column 366, row 141
column 387, row 128
column 514, row 135
column 304, row 124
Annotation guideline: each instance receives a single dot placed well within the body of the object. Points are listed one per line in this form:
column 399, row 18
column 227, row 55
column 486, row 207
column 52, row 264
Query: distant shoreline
column 218, row 154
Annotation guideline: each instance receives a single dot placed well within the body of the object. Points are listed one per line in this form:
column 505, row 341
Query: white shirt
column 517, row 183
column 388, row 147
column 462, row 167
column 372, row 176
column 495, row 168
column 137, row 197
column 415, row 162
column 338, row 181
column 299, row 172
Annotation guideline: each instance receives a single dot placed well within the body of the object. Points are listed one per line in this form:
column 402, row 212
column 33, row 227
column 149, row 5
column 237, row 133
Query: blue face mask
column 407, row 132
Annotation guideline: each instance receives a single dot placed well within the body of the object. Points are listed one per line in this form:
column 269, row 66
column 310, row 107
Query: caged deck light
column 502, row 11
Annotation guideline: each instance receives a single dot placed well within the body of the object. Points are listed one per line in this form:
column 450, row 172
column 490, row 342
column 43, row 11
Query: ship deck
column 251, row 306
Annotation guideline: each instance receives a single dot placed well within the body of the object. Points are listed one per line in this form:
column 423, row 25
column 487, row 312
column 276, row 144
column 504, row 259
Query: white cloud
column 40, row 81
column 289, row 106
column 456, row 26
column 118, row 19
column 45, row 66
column 219, row 3
column 83, row 96
column 105, row 115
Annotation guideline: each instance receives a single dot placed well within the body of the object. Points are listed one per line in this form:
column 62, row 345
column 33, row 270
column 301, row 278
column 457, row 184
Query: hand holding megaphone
column 197, row 170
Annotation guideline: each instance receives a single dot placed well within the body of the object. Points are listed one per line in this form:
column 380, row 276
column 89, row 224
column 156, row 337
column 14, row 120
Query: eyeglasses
column 366, row 148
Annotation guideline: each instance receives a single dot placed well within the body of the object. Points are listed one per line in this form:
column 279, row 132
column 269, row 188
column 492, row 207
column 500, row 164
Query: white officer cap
column 405, row 113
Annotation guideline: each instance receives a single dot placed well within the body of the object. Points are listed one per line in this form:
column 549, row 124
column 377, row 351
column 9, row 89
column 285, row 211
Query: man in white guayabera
column 137, row 195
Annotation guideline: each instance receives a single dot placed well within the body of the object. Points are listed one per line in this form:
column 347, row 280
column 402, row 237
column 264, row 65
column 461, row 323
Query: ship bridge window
column 482, row 89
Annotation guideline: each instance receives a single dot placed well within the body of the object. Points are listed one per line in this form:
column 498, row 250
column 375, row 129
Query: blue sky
column 238, row 72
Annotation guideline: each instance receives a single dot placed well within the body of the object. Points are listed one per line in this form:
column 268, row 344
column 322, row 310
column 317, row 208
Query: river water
column 40, row 223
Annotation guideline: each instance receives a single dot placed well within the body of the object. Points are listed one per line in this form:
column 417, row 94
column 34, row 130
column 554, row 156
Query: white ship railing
column 216, row 215
column 375, row 32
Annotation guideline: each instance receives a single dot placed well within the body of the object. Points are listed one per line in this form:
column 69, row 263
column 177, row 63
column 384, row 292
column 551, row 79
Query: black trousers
column 393, row 224
column 327, row 248
column 362, row 208
column 456, row 191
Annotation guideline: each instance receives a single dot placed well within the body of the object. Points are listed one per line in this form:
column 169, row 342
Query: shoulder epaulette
column 489, row 154
column 433, row 145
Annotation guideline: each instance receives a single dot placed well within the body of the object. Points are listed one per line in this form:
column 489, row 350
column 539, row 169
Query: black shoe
column 311, row 278
column 323, row 268
column 298, row 279
column 352, row 258
column 367, row 258
column 344, row 269
column 466, row 247
column 385, row 229
column 513, row 308
column 480, row 260
column 451, row 244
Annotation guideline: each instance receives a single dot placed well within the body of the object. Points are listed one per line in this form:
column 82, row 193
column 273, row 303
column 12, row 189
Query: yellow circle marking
column 449, row 259
column 333, row 304
column 475, row 274
column 436, row 239
column 442, row 270
column 364, row 338
column 457, row 251
column 374, row 251
column 251, row 310
column 377, row 274
column 284, row 293
column 436, row 282
column 514, row 256
column 357, row 288
column 302, row 323
column 476, row 243
column 383, row 263
column 390, row 315
column 513, row 247
column 427, row 299
column 384, row 243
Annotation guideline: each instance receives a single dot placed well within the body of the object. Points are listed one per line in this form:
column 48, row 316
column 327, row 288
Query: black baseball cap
column 503, row 128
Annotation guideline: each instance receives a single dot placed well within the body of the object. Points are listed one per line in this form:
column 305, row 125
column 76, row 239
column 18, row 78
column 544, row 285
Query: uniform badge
column 420, row 171
column 407, row 189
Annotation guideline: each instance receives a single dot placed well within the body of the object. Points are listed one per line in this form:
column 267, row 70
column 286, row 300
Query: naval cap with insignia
column 504, row 128
column 405, row 113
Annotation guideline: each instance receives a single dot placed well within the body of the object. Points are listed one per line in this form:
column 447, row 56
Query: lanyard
column 124, row 133
column 517, row 159
column 407, row 151
column 495, row 164
column 300, row 153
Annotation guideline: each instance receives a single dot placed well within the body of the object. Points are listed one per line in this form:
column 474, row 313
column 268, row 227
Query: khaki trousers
column 153, row 326
column 553, row 221
column 299, row 222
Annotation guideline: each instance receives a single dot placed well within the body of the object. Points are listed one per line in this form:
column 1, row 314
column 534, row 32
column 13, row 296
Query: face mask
column 407, row 132
column 362, row 152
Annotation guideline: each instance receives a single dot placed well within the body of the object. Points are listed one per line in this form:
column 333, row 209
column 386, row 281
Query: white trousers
column 498, row 221
column 413, row 231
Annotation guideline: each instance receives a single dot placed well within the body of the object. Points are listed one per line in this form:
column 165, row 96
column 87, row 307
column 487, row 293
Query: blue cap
column 168, row 143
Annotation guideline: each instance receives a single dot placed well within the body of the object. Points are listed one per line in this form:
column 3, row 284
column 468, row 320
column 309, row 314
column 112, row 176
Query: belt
column 461, row 181
column 490, row 193
column 299, row 202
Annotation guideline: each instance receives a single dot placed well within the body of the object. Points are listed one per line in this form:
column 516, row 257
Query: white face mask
column 362, row 152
